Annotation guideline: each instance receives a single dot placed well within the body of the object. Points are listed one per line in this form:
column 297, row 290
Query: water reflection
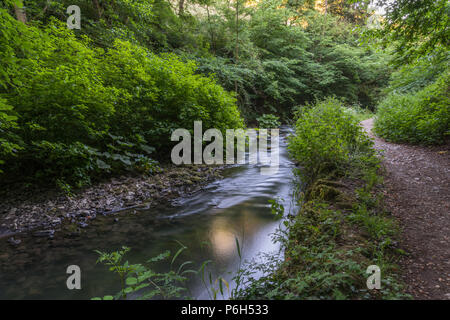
column 222, row 239
column 208, row 223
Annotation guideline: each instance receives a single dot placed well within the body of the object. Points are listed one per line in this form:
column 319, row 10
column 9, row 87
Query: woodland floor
column 417, row 187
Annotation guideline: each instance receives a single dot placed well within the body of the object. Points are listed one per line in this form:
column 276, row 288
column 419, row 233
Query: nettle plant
column 124, row 154
column 141, row 282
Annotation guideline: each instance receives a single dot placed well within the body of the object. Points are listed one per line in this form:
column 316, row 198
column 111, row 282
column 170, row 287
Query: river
column 207, row 223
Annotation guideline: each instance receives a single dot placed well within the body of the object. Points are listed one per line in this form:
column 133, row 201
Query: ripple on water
column 235, row 207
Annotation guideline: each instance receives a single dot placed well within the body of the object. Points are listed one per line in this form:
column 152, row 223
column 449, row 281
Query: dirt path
column 418, row 194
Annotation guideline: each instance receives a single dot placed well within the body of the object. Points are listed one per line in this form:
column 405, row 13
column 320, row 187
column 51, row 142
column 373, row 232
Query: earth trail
column 417, row 190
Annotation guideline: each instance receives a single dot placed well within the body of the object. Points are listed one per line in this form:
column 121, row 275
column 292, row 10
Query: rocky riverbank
column 30, row 209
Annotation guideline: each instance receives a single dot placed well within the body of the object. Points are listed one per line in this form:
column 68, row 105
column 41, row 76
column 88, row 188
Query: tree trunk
column 236, row 55
column 20, row 13
column 211, row 31
column 181, row 7
column 99, row 9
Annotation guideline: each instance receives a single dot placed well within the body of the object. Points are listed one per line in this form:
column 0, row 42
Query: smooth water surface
column 207, row 223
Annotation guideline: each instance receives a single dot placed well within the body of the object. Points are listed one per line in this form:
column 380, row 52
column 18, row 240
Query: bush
column 268, row 121
column 8, row 145
column 79, row 112
column 421, row 117
column 328, row 138
column 160, row 93
column 62, row 105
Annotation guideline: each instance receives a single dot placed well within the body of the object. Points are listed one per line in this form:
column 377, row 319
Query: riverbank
column 342, row 226
column 42, row 212
column 207, row 223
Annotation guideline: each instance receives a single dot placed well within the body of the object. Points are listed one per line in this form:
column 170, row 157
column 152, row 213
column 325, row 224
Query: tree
column 346, row 10
column 415, row 28
column 19, row 10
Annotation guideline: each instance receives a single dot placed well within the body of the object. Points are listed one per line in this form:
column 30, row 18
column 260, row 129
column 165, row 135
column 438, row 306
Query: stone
column 44, row 233
column 14, row 242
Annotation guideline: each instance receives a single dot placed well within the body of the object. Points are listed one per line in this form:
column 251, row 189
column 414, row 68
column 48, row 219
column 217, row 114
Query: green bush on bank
column 70, row 111
column 327, row 138
column 339, row 230
column 416, row 117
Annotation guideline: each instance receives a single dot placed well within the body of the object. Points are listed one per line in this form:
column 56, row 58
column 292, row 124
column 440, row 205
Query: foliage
column 351, row 12
column 287, row 58
column 141, row 282
column 414, row 28
column 81, row 112
column 411, row 78
column 416, row 117
column 268, row 121
column 277, row 208
column 104, row 99
column 339, row 230
column 162, row 93
column 8, row 146
column 415, row 109
column 317, row 266
column 328, row 138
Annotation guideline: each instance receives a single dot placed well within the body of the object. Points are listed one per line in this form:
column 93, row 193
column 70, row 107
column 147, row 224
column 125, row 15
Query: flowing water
column 208, row 223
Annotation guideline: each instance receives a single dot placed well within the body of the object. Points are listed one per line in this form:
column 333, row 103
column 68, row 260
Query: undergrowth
column 341, row 228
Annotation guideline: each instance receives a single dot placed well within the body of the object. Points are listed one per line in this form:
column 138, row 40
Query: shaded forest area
column 79, row 105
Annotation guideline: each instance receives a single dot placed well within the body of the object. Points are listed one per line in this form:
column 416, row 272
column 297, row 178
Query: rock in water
column 44, row 233
column 14, row 242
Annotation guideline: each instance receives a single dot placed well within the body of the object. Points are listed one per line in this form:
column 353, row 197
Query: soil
column 417, row 193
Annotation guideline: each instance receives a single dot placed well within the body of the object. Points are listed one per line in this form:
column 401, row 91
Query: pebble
column 14, row 242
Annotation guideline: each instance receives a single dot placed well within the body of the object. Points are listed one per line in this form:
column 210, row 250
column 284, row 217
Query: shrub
column 63, row 108
column 421, row 117
column 8, row 145
column 160, row 93
column 70, row 112
column 328, row 138
column 268, row 121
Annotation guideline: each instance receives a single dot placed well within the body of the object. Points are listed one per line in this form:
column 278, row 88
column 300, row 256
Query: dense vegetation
column 341, row 227
column 76, row 105
column 417, row 115
column 80, row 105
column 417, row 106
column 73, row 110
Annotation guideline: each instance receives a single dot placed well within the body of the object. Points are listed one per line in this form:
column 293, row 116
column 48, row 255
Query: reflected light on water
column 222, row 240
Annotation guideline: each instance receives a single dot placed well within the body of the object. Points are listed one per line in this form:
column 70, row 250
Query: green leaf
column 177, row 254
column 238, row 247
column 131, row 281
